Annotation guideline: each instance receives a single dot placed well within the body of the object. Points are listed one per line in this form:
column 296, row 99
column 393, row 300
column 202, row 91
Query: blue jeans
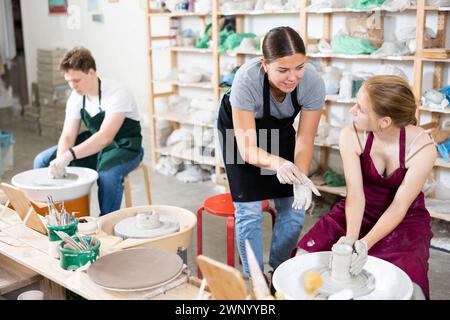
column 110, row 182
column 288, row 225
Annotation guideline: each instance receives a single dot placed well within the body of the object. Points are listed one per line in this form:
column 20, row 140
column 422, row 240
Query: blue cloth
column 288, row 225
column 446, row 91
column 444, row 149
column 110, row 182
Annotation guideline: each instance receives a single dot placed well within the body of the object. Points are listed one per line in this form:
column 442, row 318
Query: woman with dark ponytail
column 384, row 213
column 264, row 156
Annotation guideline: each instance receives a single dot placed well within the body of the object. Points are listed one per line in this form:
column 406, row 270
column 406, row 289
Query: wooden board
column 13, row 276
column 435, row 53
column 225, row 282
column 23, row 207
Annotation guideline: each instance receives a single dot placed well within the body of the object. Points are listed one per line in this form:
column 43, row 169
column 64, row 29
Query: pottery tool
column 260, row 287
column 68, row 240
column 58, row 218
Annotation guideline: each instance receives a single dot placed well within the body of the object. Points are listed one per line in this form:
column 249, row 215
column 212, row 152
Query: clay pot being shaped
column 340, row 266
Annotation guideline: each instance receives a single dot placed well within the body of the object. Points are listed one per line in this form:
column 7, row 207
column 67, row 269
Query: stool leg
column 199, row 238
column 127, row 189
column 230, row 241
column 147, row 184
column 272, row 213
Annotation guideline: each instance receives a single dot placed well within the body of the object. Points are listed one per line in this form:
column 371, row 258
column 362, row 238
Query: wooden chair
column 127, row 186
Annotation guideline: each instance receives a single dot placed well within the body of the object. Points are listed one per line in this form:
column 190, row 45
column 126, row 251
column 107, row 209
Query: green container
column 70, row 229
column 73, row 259
column 356, row 86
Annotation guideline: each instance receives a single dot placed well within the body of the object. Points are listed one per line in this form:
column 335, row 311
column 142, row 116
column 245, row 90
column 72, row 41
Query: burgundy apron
column 407, row 246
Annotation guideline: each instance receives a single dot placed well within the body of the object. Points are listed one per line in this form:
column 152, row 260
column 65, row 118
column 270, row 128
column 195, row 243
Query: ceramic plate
column 135, row 269
column 126, row 228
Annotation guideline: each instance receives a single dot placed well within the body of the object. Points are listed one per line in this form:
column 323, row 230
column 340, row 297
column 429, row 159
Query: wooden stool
column 222, row 205
column 127, row 186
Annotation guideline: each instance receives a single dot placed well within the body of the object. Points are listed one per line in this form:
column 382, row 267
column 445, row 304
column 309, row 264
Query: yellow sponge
column 312, row 282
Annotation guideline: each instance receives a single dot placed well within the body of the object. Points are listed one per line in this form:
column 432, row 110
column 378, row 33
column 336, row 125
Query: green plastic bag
column 351, row 45
column 203, row 42
column 333, row 179
column 234, row 40
column 365, row 4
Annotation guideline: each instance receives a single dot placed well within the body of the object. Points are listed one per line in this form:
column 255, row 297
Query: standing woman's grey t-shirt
column 247, row 91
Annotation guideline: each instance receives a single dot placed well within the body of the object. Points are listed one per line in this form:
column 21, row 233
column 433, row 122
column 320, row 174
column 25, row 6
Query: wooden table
column 29, row 249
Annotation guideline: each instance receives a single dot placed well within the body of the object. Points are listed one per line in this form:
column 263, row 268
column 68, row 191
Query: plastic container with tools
column 55, row 240
column 70, row 229
column 73, row 259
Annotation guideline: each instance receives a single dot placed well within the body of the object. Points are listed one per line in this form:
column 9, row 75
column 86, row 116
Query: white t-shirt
column 115, row 98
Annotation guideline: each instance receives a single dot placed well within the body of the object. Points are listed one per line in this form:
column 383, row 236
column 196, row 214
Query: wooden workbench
column 30, row 249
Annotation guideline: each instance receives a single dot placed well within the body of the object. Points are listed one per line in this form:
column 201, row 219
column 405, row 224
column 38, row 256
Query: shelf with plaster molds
column 178, row 14
column 340, row 191
column 189, row 155
column 199, row 85
column 379, row 9
column 440, row 216
column 235, row 53
column 258, row 13
column 350, row 10
column 359, row 56
column 335, row 98
column 182, row 119
column 325, row 145
column 446, row 111
column 184, row 49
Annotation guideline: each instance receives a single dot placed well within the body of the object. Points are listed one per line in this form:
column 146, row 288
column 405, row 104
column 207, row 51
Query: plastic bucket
column 74, row 259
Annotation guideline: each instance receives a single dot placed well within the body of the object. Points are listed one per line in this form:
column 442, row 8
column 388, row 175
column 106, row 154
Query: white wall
column 118, row 44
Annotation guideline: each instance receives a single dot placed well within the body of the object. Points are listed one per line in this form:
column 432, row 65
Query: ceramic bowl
column 87, row 225
column 189, row 77
column 31, row 295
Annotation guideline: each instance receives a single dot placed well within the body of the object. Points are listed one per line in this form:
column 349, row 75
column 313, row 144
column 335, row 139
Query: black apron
column 247, row 183
column 126, row 146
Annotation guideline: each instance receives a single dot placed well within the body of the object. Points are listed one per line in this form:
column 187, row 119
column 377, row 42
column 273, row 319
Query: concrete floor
column 169, row 191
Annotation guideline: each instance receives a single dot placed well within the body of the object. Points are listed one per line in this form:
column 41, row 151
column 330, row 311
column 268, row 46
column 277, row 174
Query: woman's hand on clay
column 342, row 240
column 359, row 258
column 57, row 169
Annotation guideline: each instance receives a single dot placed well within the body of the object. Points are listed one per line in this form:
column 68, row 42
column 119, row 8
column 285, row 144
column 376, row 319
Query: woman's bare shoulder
column 352, row 139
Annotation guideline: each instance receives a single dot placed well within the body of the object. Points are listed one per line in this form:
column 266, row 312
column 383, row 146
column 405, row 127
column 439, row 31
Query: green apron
column 126, row 146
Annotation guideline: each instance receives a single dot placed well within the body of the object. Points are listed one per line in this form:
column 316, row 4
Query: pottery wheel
column 127, row 228
column 135, row 269
column 361, row 285
column 50, row 182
